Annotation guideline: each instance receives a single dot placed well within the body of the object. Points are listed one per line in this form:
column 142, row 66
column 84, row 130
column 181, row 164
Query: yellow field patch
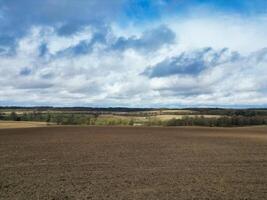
column 20, row 124
column 168, row 117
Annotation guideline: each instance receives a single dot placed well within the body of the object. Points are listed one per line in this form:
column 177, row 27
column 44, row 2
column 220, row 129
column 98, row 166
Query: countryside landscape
column 121, row 153
column 213, row 117
column 133, row 100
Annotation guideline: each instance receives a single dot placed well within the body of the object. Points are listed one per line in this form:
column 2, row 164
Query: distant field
column 110, row 116
column 168, row 117
column 162, row 117
column 17, row 124
column 116, row 163
column 158, row 112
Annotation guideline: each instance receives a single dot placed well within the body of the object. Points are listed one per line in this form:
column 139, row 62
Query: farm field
column 168, row 117
column 21, row 124
column 144, row 163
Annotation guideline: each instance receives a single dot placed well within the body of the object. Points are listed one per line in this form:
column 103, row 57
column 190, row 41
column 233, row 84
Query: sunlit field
column 20, row 124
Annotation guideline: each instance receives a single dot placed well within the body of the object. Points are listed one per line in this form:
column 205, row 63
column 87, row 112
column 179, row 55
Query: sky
column 133, row 53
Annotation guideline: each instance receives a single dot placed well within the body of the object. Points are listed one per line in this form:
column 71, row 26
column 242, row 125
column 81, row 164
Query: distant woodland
column 137, row 116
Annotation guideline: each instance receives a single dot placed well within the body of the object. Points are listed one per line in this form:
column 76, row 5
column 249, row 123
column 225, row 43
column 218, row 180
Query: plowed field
column 133, row 163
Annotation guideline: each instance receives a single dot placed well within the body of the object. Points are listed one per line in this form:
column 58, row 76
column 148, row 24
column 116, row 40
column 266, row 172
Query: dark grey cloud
column 25, row 71
column 149, row 40
column 82, row 48
column 191, row 63
column 33, row 84
column 260, row 55
column 69, row 28
column 47, row 76
column 43, row 49
column 86, row 46
column 152, row 39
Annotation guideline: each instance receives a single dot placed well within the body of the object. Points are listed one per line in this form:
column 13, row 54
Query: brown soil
column 133, row 163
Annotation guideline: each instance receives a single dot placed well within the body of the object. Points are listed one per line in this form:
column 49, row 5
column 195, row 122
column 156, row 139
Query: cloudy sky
column 136, row 53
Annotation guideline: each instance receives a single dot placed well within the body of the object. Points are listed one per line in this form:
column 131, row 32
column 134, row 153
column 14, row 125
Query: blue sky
column 136, row 53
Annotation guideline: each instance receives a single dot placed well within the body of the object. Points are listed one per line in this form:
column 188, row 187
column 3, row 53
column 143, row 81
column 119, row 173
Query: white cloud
column 114, row 77
column 244, row 34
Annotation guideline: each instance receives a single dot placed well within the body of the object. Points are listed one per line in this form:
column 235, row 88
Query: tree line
column 224, row 121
